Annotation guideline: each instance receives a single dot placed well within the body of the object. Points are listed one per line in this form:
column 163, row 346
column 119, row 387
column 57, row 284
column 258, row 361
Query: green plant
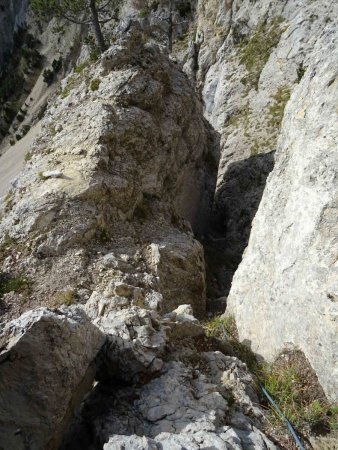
column 293, row 386
column 25, row 129
column 276, row 109
column 48, row 76
column 65, row 298
column 224, row 328
column 81, row 67
column 95, row 84
column 28, row 156
column 57, row 65
column 69, row 86
column 300, row 72
column 144, row 12
column 13, row 284
column 255, row 51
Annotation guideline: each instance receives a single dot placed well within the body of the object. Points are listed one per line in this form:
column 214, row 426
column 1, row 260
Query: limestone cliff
column 285, row 290
column 203, row 120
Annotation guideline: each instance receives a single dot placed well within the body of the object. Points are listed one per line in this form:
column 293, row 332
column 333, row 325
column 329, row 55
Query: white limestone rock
column 285, row 292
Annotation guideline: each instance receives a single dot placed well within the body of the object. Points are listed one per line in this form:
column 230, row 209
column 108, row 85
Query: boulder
column 46, row 367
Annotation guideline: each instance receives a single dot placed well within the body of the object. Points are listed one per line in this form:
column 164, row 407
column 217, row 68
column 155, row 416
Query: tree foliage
column 93, row 12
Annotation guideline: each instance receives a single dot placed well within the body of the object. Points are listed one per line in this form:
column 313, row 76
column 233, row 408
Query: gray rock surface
column 285, row 291
column 46, row 366
column 136, row 164
column 250, row 57
column 189, row 397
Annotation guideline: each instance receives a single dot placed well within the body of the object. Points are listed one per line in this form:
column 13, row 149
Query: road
column 12, row 161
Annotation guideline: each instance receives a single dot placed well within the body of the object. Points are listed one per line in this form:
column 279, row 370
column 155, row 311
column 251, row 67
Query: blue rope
column 274, row 404
column 281, row 415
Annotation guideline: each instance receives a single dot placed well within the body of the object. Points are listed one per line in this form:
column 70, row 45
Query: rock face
column 249, row 56
column 189, row 397
column 46, row 366
column 12, row 15
column 285, row 291
column 136, row 165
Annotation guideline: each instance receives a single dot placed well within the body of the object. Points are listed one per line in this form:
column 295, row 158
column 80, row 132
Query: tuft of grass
column 295, row 395
column 95, row 84
column 224, row 328
column 217, row 326
column 82, row 66
column 64, row 298
column 69, row 86
column 276, row 109
column 255, row 51
column 13, row 284
column 290, row 381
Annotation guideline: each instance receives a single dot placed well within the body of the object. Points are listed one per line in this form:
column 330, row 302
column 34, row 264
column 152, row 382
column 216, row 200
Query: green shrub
column 95, row 84
column 13, row 284
column 48, row 76
column 300, row 72
column 28, row 156
column 143, row 13
column 57, row 65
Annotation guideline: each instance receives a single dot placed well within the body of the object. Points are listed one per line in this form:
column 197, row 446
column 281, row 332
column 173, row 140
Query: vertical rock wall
column 285, row 291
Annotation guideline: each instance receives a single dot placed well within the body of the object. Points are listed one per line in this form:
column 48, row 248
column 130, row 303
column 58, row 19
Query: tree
column 94, row 12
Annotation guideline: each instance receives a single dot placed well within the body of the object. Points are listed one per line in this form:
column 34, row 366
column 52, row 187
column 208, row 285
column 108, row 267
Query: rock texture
column 124, row 164
column 46, row 366
column 190, row 396
column 247, row 58
column 12, row 15
column 285, row 290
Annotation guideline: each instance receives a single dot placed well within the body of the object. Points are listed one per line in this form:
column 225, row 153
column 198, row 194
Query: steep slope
column 124, row 164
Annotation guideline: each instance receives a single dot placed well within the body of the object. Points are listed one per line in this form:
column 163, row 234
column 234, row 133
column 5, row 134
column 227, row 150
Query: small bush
column 48, row 76
column 25, row 129
column 28, row 156
column 57, row 65
column 13, row 284
column 64, row 298
column 143, row 13
column 95, row 84
column 300, row 72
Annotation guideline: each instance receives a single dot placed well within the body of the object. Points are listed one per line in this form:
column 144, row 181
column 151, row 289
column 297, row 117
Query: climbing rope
column 274, row 405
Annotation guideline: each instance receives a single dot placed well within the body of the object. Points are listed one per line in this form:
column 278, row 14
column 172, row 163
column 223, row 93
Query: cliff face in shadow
column 12, row 16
